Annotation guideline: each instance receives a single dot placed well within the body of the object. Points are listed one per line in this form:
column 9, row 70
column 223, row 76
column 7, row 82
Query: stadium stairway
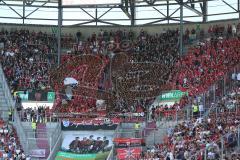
column 157, row 135
column 42, row 138
column 4, row 105
column 150, row 127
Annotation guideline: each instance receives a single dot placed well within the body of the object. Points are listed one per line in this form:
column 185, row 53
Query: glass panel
column 5, row 11
column 225, row 16
column 89, row 2
column 78, row 13
column 114, row 13
column 218, row 6
column 73, row 22
column 43, row 22
column 42, row 13
column 8, row 20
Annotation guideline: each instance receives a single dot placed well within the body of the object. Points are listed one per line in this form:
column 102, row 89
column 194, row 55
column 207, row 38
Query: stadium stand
column 191, row 137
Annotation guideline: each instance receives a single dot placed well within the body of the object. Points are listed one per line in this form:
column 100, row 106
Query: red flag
column 128, row 153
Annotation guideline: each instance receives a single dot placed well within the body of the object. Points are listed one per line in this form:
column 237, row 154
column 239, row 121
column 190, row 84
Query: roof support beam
column 239, row 8
column 229, row 5
column 35, row 10
column 125, row 8
column 159, row 11
column 150, row 2
column 160, row 20
column 204, row 8
column 87, row 13
column 190, row 7
column 12, row 8
column 29, row 2
column 23, row 17
column 133, row 13
column 105, row 13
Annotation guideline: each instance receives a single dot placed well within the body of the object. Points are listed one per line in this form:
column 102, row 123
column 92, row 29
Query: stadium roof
column 116, row 12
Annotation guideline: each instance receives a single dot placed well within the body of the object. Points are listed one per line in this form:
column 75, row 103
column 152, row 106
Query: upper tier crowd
column 27, row 59
column 205, row 64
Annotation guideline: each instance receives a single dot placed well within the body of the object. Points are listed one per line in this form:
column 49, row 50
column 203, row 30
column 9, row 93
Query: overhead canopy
column 110, row 12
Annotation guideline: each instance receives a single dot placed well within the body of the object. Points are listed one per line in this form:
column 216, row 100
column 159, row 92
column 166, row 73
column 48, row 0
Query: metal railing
column 55, row 148
column 46, row 139
column 6, row 89
column 49, row 117
column 111, row 156
column 11, row 104
column 20, row 131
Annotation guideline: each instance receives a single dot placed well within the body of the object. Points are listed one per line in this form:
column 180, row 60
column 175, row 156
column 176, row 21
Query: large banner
column 86, row 145
column 87, row 142
column 129, row 153
column 128, row 142
column 89, row 124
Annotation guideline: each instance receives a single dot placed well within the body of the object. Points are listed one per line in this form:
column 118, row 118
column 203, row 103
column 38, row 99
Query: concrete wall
column 88, row 30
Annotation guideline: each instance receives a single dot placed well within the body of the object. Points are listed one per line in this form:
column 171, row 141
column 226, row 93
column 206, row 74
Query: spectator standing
column 195, row 110
column 234, row 30
column 137, row 129
column 10, row 114
column 201, row 109
column 34, row 128
column 78, row 35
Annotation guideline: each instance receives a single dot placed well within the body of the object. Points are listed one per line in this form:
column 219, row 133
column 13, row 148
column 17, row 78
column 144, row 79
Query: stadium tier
column 112, row 82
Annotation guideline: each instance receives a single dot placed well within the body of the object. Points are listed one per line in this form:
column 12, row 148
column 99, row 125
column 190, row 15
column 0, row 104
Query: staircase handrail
column 6, row 89
column 55, row 148
column 17, row 123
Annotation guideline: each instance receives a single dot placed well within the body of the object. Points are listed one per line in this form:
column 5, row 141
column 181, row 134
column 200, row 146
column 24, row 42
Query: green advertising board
column 172, row 95
column 51, row 96
column 23, row 95
column 54, row 30
column 72, row 156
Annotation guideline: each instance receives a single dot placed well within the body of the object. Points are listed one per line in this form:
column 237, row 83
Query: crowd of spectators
column 26, row 58
column 10, row 147
column 206, row 64
column 133, row 73
column 169, row 111
column 200, row 137
column 144, row 53
column 39, row 114
column 148, row 65
column 147, row 68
